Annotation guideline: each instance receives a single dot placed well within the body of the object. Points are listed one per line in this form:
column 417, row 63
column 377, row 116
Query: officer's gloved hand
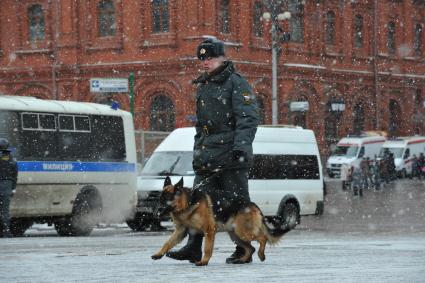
column 239, row 155
column 13, row 193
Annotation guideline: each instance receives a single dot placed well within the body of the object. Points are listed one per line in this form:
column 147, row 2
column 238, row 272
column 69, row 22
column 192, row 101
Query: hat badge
column 202, row 51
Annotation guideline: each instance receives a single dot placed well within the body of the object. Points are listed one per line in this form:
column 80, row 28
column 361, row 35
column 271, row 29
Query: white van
column 403, row 149
column 351, row 149
column 286, row 178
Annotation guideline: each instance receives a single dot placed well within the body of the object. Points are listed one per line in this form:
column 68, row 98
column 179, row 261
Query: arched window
column 162, row 114
column 224, row 16
column 417, row 41
column 160, row 16
column 261, row 112
column 257, row 27
column 106, row 18
column 37, row 26
column 296, row 23
column 391, row 38
column 330, row 28
column 358, row 31
column 358, row 123
column 395, row 116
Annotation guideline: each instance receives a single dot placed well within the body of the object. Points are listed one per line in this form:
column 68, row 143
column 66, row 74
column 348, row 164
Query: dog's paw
column 157, row 256
column 201, row 263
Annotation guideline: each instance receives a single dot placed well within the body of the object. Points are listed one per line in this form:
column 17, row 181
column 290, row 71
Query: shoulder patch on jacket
column 247, row 97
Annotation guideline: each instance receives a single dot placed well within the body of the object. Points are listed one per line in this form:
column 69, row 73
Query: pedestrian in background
column 227, row 120
column 421, row 165
column 8, row 179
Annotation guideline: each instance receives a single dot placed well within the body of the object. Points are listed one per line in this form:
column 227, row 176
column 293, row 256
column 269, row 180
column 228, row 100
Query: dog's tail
column 274, row 230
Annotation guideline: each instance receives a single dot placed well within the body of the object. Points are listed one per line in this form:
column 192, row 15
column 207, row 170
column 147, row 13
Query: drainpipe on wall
column 54, row 47
column 375, row 65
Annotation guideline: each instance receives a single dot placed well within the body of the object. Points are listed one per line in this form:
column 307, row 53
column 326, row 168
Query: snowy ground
column 118, row 255
column 377, row 238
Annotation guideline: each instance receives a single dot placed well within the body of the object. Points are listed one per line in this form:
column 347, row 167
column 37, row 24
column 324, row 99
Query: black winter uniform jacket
column 8, row 167
column 227, row 120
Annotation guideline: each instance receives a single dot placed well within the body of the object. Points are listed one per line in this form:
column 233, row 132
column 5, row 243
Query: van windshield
column 396, row 151
column 169, row 163
column 349, row 151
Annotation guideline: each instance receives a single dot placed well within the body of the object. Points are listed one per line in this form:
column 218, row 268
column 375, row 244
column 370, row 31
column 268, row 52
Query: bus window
column 29, row 121
column 82, row 124
column 47, row 122
column 285, row 167
column 66, row 123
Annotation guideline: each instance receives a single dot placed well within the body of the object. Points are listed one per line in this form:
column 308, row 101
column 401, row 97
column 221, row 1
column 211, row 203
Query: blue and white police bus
column 76, row 161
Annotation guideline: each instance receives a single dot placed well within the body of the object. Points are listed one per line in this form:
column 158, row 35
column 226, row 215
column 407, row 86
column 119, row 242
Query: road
column 377, row 238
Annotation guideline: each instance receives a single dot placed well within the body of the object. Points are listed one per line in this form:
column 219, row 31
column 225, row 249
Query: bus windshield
column 396, row 151
column 169, row 163
column 348, row 151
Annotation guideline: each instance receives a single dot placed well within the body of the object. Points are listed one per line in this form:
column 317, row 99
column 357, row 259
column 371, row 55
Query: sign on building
column 109, row 85
column 298, row 106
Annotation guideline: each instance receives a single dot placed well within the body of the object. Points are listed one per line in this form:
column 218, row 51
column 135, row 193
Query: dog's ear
column 179, row 184
column 167, row 181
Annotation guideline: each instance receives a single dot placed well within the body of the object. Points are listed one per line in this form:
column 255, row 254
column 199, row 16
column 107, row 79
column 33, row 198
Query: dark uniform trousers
column 6, row 188
column 228, row 190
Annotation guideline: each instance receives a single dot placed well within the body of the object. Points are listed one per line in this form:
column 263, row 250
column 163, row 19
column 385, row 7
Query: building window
column 330, row 28
column 224, row 16
column 358, row 31
column 160, row 16
column 261, row 112
column 417, row 41
column 37, row 26
column 257, row 21
column 358, row 123
column 391, row 38
column 162, row 114
column 106, row 18
column 296, row 23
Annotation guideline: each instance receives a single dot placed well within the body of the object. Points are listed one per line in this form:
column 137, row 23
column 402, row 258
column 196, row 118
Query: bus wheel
column 85, row 215
column 138, row 223
column 18, row 226
column 291, row 214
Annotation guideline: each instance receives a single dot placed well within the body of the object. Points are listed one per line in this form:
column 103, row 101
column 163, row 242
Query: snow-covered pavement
column 118, row 255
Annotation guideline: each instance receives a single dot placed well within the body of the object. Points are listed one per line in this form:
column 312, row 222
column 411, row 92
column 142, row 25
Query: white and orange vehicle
column 403, row 149
column 351, row 150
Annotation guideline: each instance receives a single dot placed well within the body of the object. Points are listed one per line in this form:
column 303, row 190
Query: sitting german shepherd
column 245, row 226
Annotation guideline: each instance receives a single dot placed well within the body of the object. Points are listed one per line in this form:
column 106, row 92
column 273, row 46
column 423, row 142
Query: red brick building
column 366, row 54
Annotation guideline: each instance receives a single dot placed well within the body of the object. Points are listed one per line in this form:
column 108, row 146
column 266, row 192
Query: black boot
column 237, row 254
column 191, row 252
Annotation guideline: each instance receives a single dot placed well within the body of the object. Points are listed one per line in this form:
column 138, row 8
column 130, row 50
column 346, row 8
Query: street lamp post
column 277, row 36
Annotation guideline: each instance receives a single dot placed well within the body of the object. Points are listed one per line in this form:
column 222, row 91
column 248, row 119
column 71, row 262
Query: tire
column 138, row 223
column 18, row 226
column 291, row 214
column 85, row 215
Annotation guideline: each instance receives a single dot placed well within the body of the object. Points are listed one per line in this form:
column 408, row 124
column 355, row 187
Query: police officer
column 227, row 120
column 8, row 178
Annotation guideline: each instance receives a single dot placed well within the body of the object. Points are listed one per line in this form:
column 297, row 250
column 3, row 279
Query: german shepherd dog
column 246, row 225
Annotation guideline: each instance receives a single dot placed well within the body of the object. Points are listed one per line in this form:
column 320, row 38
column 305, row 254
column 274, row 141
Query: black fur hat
column 210, row 47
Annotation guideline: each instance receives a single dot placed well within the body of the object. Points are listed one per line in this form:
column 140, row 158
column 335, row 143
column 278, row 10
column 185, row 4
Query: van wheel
column 138, row 223
column 18, row 226
column 291, row 214
column 85, row 215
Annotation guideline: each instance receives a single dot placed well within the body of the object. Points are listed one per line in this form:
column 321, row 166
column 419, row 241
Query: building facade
column 350, row 66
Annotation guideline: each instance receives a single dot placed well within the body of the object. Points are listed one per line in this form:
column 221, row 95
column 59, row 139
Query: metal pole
column 131, row 83
column 274, row 75
column 375, row 65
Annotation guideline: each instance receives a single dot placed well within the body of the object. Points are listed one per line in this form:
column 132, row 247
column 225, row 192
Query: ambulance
column 403, row 149
column 351, row 150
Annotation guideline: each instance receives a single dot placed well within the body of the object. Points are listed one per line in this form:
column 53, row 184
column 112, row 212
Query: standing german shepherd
column 245, row 226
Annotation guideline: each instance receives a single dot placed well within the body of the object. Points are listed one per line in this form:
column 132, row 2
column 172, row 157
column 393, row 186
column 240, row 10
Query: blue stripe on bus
column 67, row 166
